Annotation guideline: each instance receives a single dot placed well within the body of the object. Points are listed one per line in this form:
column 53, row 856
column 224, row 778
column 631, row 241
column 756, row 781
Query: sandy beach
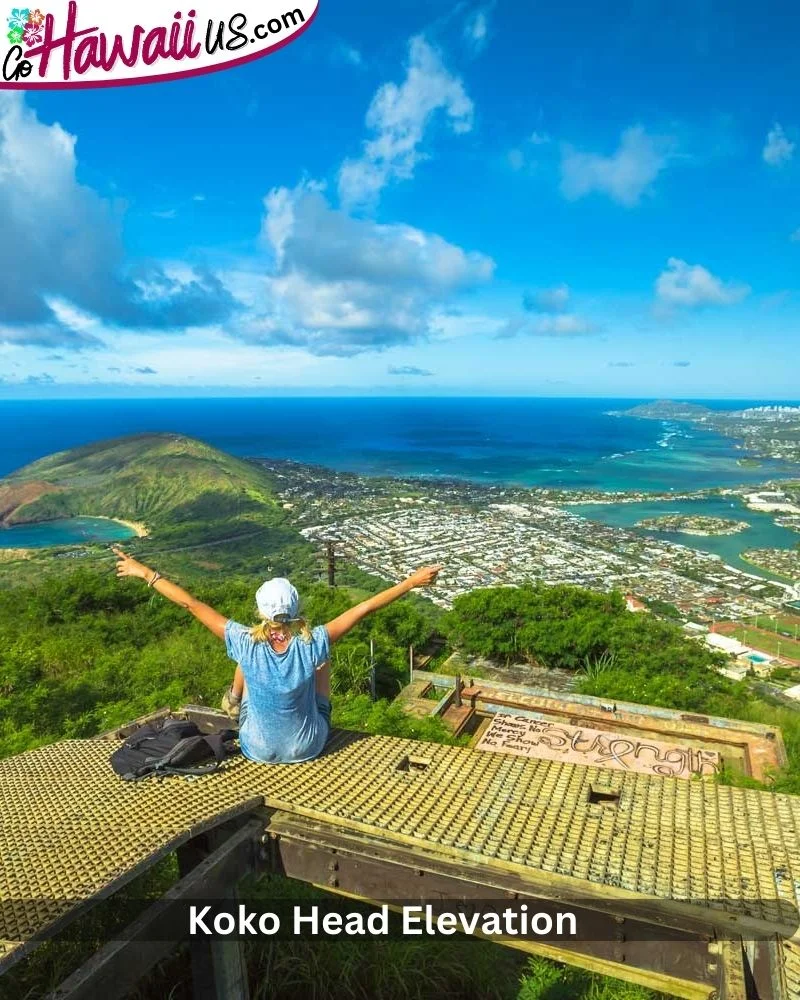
column 137, row 526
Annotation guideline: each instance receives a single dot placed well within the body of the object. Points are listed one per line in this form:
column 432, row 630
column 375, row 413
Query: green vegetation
column 663, row 608
column 194, row 501
column 85, row 653
column 164, row 480
column 653, row 661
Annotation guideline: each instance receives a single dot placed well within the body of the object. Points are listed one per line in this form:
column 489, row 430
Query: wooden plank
column 732, row 977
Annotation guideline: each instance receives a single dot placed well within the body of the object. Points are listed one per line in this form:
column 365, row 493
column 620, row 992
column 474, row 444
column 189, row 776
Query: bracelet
column 156, row 577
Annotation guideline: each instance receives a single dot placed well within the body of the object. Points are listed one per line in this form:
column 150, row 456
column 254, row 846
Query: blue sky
column 493, row 198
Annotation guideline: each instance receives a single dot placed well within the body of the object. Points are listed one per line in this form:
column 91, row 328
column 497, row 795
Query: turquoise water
column 762, row 533
column 68, row 531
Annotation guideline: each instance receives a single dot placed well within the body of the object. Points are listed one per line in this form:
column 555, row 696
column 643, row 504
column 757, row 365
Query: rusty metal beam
column 644, row 951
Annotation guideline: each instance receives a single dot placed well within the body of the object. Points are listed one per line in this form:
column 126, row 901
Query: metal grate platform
column 70, row 829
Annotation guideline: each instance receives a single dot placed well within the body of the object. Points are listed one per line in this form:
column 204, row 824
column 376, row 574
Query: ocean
column 562, row 443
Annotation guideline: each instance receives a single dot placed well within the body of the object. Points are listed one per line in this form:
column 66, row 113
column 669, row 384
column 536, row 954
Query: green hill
column 178, row 488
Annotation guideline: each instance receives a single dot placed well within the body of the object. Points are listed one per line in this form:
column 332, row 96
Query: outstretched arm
column 341, row 626
column 213, row 620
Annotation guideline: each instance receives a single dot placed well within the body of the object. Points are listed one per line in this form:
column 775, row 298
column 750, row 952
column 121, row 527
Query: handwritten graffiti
column 526, row 737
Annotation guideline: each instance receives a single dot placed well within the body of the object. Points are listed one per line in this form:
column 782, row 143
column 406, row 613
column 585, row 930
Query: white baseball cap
column 277, row 600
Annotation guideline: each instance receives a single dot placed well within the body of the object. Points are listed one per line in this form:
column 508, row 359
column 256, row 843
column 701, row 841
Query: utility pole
column 410, row 664
column 331, row 555
column 372, row 669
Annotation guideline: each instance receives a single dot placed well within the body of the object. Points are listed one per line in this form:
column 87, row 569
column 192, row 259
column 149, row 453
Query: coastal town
column 492, row 536
column 489, row 536
column 515, row 543
column 761, row 431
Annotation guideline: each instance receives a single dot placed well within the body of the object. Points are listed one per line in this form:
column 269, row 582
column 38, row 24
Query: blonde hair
column 299, row 626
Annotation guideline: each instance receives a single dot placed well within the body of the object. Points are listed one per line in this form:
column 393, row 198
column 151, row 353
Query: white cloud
column 777, row 149
column 522, row 155
column 548, row 300
column 413, row 370
column 562, row 325
column 547, row 316
column 213, row 358
column 624, row 176
column 347, row 55
column 476, row 29
column 343, row 285
column 53, row 227
column 62, row 243
column 452, row 323
column 399, row 116
column 682, row 284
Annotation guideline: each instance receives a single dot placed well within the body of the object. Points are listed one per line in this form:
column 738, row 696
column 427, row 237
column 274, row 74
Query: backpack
column 171, row 746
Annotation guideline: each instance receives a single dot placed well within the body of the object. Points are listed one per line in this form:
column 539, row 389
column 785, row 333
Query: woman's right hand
column 425, row 577
column 128, row 566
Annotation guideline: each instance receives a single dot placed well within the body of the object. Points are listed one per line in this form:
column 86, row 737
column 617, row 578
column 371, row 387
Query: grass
column 790, row 624
column 543, row 980
column 768, row 642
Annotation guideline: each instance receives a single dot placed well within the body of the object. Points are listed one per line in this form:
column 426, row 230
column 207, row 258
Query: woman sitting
column 282, row 678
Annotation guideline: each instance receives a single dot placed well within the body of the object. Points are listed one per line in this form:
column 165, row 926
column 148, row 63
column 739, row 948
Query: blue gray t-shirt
column 280, row 721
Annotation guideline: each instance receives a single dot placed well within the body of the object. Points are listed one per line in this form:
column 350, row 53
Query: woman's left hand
column 128, row 566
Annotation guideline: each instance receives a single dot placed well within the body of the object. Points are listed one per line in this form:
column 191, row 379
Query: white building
column 726, row 643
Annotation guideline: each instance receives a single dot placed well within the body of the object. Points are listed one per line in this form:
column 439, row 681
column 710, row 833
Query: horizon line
column 772, row 400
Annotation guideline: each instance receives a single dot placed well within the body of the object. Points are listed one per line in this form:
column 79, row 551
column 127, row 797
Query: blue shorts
column 323, row 707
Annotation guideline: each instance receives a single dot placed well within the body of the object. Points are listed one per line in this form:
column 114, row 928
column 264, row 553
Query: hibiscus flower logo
column 19, row 18
column 33, row 34
column 25, row 25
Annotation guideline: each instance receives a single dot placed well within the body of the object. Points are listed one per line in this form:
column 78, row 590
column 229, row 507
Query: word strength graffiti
column 526, row 737
column 95, row 44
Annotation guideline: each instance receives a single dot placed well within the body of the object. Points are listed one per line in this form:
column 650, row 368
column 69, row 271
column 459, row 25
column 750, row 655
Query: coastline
column 779, row 577
column 14, row 555
column 138, row 527
column 698, row 533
